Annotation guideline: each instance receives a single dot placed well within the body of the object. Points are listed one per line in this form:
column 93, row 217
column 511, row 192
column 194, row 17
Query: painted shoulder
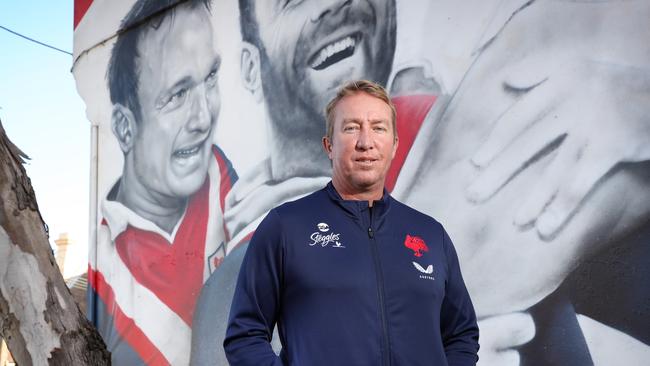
column 304, row 205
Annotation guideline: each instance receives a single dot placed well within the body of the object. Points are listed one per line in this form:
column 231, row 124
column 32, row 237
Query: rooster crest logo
column 416, row 244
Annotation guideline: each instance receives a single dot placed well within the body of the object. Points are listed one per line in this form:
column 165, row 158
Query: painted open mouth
column 335, row 52
column 188, row 152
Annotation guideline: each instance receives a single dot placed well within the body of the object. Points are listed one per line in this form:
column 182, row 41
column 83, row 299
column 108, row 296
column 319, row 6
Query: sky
column 45, row 117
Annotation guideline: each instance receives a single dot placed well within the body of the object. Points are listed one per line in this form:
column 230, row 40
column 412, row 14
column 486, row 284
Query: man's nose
column 201, row 117
column 364, row 140
column 326, row 7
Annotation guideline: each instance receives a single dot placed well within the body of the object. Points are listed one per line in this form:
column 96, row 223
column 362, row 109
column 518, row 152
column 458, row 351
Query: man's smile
column 186, row 152
column 335, row 51
column 365, row 161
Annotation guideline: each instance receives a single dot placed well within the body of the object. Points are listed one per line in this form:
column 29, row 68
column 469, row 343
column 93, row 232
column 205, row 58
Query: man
column 162, row 232
column 349, row 274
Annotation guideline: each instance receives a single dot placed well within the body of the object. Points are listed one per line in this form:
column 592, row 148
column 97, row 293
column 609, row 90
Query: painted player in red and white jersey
column 162, row 231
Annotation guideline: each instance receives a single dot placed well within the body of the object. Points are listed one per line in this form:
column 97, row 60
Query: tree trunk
column 38, row 317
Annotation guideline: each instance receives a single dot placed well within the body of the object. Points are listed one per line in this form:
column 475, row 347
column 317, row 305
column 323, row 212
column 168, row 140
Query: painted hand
column 501, row 334
column 580, row 115
column 562, row 94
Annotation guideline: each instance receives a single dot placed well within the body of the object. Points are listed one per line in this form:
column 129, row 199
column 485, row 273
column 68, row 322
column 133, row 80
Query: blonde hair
column 354, row 87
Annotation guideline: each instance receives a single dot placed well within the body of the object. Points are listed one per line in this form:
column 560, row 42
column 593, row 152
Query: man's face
column 363, row 143
column 313, row 46
column 179, row 99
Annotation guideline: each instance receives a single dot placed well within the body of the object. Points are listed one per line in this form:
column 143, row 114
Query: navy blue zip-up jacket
column 351, row 285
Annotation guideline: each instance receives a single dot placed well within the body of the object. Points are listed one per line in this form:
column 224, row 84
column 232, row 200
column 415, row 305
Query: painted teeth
column 187, row 152
column 333, row 48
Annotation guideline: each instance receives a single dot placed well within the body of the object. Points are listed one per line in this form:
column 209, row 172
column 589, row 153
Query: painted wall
column 523, row 128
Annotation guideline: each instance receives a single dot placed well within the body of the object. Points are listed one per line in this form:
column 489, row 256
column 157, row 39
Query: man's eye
column 176, row 99
column 211, row 79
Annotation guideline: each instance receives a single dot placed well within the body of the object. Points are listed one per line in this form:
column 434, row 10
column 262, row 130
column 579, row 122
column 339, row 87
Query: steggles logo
column 325, row 239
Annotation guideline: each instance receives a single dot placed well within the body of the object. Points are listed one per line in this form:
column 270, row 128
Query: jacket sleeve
column 256, row 302
column 457, row 318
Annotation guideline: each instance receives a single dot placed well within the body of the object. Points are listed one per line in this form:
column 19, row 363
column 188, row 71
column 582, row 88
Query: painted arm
column 256, row 302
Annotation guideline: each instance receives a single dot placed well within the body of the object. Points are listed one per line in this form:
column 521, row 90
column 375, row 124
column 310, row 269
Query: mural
column 523, row 129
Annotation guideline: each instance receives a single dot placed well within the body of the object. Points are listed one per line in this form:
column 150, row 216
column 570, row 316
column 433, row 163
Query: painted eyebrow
column 182, row 82
column 168, row 92
column 187, row 81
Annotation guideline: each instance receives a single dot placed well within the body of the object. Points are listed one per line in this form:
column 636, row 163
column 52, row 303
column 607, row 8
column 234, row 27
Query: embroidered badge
column 425, row 273
column 416, row 244
column 323, row 238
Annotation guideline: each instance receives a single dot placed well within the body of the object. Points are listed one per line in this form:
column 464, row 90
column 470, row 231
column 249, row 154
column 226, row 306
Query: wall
column 523, row 129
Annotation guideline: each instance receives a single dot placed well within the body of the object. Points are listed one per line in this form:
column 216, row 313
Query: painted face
column 363, row 143
column 180, row 101
column 310, row 47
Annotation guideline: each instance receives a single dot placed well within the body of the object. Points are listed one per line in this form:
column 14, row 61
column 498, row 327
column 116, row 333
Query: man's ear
column 395, row 144
column 250, row 70
column 327, row 146
column 123, row 126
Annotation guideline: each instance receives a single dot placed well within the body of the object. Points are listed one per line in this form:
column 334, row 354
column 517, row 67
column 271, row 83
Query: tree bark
column 38, row 317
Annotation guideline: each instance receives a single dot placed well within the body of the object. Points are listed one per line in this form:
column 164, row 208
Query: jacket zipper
column 380, row 289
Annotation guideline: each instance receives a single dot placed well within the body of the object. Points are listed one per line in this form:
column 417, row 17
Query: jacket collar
column 358, row 210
